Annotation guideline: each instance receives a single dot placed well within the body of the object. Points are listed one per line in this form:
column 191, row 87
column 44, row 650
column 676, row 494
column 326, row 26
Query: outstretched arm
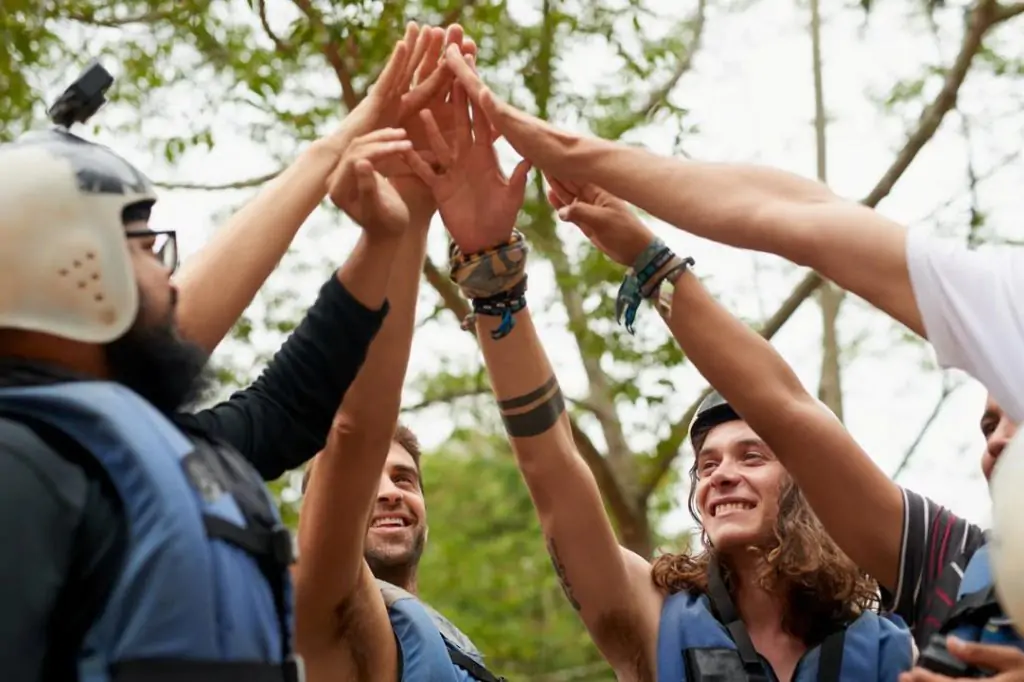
column 610, row 587
column 340, row 494
column 860, row 507
column 221, row 280
column 749, row 206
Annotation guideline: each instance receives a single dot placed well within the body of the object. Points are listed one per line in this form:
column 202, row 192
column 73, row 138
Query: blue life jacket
column 203, row 594
column 695, row 645
column 977, row 616
column 431, row 648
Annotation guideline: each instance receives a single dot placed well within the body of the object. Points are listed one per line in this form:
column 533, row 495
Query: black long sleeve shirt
column 62, row 531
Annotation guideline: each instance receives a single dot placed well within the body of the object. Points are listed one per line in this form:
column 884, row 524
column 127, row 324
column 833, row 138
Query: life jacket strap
column 723, row 607
column 176, row 670
column 974, row 608
column 830, row 663
column 273, row 552
column 469, row 664
column 830, row 660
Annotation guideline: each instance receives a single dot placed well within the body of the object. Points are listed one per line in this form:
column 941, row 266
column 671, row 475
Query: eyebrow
column 746, row 442
column 405, row 469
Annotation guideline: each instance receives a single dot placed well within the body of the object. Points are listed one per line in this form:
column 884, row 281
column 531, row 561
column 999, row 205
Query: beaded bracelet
column 655, row 264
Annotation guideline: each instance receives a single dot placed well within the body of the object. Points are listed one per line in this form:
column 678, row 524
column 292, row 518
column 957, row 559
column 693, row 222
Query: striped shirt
column 937, row 545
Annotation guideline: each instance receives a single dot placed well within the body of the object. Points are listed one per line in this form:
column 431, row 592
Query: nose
column 388, row 493
column 724, row 476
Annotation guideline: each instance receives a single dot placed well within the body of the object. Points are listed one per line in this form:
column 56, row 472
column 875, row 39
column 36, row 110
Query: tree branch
column 280, row 44
column 621, row 508
column 1009, row 11
column 240, row 184
column 90, row 17
column 947, row 390
column 448, row 291
column 332, row 51
column 984, row 16
column 466, row 392
column 658, row 97
column 455, row 13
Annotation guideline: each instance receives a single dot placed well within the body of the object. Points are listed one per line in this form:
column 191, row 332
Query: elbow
column 795, row 227
column 357, row 432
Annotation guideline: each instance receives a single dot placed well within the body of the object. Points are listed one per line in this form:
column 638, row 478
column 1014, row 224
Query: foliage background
column 215, row 96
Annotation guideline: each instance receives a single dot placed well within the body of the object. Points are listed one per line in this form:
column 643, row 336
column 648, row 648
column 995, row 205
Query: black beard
column 160, row 366
column 396, row 570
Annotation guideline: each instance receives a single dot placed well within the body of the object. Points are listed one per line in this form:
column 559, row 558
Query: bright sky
column 750, row 94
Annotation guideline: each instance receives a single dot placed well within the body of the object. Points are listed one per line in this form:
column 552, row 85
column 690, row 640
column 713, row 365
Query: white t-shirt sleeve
column 972, row 306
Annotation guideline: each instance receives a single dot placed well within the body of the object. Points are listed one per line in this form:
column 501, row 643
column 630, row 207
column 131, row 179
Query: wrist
column 381, row 241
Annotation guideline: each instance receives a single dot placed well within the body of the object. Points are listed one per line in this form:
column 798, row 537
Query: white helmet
column 65, row 267
column 1008, row 530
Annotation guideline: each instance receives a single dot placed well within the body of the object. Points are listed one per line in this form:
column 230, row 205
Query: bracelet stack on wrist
column 655, row 265
column 494, row 280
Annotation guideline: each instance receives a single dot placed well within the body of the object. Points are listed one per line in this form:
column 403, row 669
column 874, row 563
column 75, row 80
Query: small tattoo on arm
column 560, row 572
column 534, row 413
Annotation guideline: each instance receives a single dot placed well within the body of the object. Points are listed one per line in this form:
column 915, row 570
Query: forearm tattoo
column 560, row 572
column 534, row 413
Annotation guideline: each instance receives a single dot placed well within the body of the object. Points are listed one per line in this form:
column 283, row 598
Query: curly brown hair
column 824, row 590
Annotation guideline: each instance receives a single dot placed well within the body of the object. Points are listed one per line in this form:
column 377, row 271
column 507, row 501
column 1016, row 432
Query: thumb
column 992, row 656
column 366, row 182
column 519, row 176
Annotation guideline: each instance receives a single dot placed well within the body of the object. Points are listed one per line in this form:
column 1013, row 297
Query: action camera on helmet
column 83, row 98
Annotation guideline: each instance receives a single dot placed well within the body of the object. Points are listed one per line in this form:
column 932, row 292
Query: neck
column 399, row 576
column 84, row 358
column 754, row 603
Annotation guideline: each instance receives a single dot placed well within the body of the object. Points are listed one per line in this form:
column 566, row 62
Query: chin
column 737, row 539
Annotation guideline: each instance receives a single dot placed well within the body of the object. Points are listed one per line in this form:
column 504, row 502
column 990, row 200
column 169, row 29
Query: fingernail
column 954, row 642
column 563, row 213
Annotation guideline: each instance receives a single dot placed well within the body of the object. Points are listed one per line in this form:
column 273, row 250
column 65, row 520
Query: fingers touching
column 366, row 151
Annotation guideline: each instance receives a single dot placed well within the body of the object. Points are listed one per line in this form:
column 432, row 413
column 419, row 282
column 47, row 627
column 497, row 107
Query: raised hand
column 392, row 99
column 544, row 145
column 477, row 202
column 363, row 193
column 605, row 220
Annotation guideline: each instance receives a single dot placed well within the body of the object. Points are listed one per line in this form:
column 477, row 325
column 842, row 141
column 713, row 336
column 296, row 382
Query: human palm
column 477, row 202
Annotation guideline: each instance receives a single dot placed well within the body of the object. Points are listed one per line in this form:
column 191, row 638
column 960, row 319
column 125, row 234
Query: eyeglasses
column 165, row 245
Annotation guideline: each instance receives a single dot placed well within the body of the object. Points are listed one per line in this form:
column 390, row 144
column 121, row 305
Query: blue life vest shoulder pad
column 204, row 586
column 977, row 615
column 693, row 645
column 432, row 648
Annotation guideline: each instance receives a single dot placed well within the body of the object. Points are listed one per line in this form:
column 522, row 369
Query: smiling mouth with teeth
column 389, row 522
column 730, row 506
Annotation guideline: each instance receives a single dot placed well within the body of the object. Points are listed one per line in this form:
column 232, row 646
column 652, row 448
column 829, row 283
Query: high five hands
column 372, row 182
column 478, row 203
column 427, row 130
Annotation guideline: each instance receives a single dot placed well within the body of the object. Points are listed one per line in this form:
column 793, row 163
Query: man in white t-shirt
column 970, row 305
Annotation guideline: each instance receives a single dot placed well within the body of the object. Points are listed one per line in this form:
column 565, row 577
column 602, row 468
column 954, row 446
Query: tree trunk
column 830, row 297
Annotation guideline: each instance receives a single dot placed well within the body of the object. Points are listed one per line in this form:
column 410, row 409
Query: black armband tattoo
column 534, row 413
column 560, row 572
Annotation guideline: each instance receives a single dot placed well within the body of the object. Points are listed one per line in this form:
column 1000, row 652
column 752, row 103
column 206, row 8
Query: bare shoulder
column 629, row 641
column 362, row 644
